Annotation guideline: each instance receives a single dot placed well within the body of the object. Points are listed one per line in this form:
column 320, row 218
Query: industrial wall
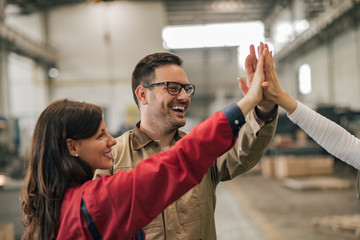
column 334, row 70
column 98, row 45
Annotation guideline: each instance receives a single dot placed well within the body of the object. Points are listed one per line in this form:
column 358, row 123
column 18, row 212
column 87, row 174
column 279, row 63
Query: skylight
column 212, row 35
column 215, row 35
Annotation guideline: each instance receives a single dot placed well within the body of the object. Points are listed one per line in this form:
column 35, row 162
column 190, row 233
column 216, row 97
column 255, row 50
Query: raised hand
column 272, row 88
column 250, row 67
column 250, row 63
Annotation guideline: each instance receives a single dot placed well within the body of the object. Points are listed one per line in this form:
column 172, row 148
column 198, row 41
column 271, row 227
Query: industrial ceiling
column 196, row 11
column 328, row 18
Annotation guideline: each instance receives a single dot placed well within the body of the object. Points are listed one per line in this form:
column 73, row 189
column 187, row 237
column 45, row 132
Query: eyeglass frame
column 182, row 86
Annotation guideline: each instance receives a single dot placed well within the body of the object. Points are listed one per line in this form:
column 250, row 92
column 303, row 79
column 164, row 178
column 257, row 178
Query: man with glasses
column 162, row 92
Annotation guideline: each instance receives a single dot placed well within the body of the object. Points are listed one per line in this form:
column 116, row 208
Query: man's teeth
column 109, row 154
column 178, row 108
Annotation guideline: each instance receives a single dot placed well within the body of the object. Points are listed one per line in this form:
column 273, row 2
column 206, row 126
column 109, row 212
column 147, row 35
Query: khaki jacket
column 192, row 216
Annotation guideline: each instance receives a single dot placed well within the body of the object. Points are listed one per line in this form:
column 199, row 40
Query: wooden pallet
column 317, row 183
column 7, row 231
column 346, row 225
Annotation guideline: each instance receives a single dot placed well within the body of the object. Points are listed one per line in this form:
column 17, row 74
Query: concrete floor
column 252, row 207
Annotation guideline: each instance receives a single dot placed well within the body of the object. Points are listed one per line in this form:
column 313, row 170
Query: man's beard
column 167, row 124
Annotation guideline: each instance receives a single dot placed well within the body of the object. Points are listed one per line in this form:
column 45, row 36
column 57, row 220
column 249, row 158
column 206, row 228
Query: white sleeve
column 332, row 137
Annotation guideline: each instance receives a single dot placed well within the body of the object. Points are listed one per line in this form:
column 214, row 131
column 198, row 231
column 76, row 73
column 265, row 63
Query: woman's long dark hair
column 51, row 168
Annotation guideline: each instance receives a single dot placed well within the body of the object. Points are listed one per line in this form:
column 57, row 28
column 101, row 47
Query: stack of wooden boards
column 304, row 172
column 7, row 231
column 347, row 225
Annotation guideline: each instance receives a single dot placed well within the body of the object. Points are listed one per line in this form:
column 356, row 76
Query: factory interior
column 86, row 50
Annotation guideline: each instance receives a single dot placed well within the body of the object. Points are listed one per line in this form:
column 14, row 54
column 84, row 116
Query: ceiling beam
column 202, row 12
column 324, row 26
column 20, row 44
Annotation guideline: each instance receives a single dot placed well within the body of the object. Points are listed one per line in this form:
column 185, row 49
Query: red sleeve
column 127, row 201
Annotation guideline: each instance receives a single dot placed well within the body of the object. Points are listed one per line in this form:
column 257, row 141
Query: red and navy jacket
column 118, row 206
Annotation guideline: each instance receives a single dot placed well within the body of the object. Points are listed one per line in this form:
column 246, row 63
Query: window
column 305, row 79
column 215, row 35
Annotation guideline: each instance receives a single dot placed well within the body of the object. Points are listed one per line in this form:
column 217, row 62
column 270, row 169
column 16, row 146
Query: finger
column 260, row 48
column 243, row 86
column 259, row 75
column 252, row 50
column 269, row 60
column 249, row 65
column 261, row 60
column 254, row 58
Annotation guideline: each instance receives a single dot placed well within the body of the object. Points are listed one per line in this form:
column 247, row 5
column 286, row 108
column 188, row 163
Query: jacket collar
column 141, row 139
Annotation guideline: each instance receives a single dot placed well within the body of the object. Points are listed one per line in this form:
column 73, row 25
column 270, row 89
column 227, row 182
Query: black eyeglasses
column 174, row 88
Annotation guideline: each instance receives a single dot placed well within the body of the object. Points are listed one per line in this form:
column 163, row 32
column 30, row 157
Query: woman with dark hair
column 52, row 167
column 70, row 141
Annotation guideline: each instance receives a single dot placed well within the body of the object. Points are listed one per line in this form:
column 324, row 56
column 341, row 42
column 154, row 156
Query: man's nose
column 183, row 94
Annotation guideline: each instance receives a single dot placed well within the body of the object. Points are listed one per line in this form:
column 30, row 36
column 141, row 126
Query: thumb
column 265, row 84
column 243, row 86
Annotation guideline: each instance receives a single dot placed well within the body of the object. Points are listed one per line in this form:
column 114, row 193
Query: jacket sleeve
column 253, row 141
column 127, row 201
column 331, row 136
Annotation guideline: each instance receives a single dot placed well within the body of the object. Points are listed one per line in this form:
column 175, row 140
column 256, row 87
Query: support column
column 330, row 70
column 357, row 47
column 46, row 66
column 4, row 82
column 4, row 79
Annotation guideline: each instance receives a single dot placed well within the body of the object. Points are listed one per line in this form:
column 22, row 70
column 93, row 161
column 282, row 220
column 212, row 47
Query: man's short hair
column 143, row 73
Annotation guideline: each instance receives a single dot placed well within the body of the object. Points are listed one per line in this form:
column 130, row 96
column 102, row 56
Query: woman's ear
column 72, row 146
column 141, row 94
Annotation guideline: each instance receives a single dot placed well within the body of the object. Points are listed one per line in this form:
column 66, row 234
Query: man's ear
column 141, row 94
column 72, row 146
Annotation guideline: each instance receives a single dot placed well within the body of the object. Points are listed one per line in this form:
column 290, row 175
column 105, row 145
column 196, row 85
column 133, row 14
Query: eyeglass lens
column 175, row 88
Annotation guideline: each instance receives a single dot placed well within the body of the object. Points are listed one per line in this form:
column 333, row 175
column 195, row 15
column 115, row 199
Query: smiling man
column 163, row 94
